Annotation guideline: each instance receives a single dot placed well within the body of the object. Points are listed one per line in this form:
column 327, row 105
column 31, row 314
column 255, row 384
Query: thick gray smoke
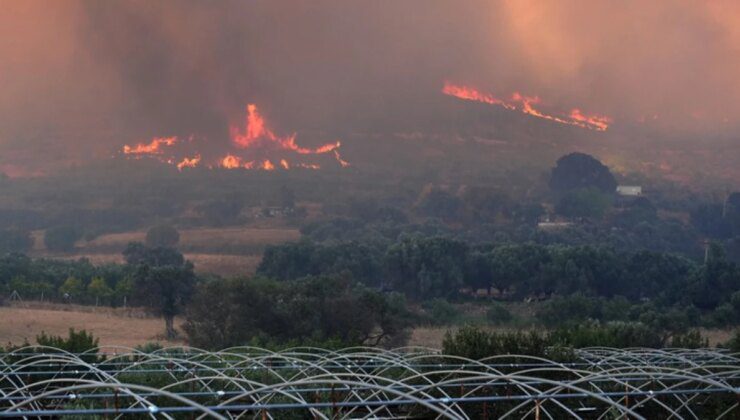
column 80, row 78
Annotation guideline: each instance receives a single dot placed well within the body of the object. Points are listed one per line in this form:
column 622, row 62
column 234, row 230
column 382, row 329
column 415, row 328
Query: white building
column 629, row 190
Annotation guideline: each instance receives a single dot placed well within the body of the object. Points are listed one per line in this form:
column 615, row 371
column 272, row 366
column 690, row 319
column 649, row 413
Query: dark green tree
column 585, row 202
column 579, row 170
column 708, row 218
column 163, row 281
column 162, row 235
column 424, row 268
column 15, row 240
column 62, row 238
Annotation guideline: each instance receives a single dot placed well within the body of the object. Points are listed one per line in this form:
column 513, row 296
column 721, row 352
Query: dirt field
column 111, row 326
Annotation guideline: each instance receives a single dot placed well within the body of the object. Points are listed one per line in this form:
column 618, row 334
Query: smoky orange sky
column 80, row 78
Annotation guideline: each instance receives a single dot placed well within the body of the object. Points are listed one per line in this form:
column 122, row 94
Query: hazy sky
column 80, row 78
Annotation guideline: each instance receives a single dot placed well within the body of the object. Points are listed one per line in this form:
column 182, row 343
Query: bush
column 15, row 240
column 587, row 202
column 573, row 308
column 497, row 314
column 62, row 238
column 162, row 236
column 76, row 342
column 734, row 343
column 441, row 311
column 475, row 343
column 613, row 334
column 690, row 340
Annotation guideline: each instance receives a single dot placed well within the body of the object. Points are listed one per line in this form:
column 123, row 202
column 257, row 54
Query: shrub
column 476, row 343
column 497, row 314
column 690, row 340
column 162, row 236
column 734, row 343
column 62, row 238
column 15, row 240
column 613, row 334
column 441, row 311
column 573, row 308
column 75, row 342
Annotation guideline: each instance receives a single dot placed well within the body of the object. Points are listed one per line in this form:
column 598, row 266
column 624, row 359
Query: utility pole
column 706, row 251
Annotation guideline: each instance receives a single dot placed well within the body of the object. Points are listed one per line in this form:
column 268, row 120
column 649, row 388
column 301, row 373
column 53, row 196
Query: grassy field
column 223, row 251
column 131, row 327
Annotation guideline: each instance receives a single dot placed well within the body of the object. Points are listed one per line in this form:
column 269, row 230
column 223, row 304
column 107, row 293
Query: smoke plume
column 78, row 78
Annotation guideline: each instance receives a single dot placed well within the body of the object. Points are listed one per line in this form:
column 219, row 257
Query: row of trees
column 325, row 311
column 80, row 281
column 63, row 238
column 425, row 268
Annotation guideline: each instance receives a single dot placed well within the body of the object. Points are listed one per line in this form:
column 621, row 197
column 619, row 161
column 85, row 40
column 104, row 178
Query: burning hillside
column 253, row 146
column 526, row 104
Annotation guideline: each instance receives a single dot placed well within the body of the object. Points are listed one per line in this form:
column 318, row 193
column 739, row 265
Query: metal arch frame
column 372, row 382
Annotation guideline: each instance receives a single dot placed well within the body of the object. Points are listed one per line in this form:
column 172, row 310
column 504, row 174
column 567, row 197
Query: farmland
column 223, row 251
column 122, row 327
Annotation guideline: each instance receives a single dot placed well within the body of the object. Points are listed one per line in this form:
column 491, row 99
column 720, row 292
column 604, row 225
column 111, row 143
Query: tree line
column 424, row 268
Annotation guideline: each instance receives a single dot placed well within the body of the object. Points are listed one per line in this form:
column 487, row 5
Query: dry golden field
column 433, row 336
column 221, row 264
column 133, row 327
column 23, row 322
column 206, row 238
column 223, row 251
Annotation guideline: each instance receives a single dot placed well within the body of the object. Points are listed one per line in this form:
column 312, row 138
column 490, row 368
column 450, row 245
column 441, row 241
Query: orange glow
column 598, row 122
column 188, row 162
column 256, row 139
column 256, row 130
column 527, row 108
column 151, row 148
column 308, row 166
column 526, row 105
column 268, row 166
column 231, row 162
column 341, row 161
column 471, row 94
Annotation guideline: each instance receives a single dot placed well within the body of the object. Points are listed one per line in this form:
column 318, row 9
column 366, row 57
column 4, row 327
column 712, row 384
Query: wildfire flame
column 341, row 161
column 526, row 104
column 255, row 139
column 470, row 94
column 268, row 166
column 256, row 130
column 153, row 147
column 188, row 162
column 231, row 162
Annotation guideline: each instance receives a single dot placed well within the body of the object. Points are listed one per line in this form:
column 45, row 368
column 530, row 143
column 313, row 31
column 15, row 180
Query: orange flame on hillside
column 470, row 94
column 231, row 162
column 256, row 130
column 526, row 105
column 339, row 159
column 188, row 162
column 256, row 139
column 153, row 147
